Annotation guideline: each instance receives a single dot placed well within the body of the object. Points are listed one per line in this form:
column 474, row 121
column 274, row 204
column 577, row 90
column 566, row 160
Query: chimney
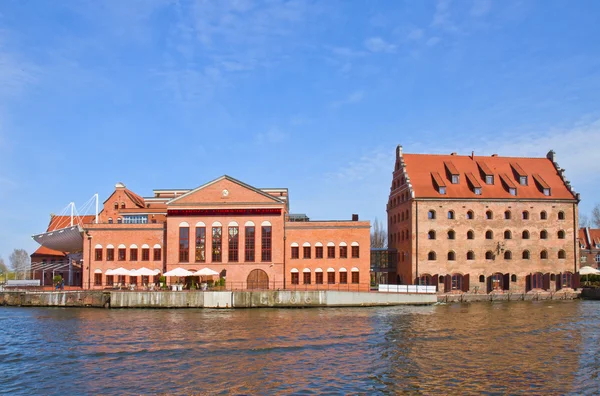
column 473, row 155
column 551, row 154
column 452, row 153
column 354, row 217
column 494, row 155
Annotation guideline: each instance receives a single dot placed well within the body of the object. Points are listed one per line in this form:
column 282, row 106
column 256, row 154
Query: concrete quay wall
column 468, row 298
column 222, row 299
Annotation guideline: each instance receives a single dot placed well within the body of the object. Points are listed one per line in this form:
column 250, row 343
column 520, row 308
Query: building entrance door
column 497, row 281
column 257, row 279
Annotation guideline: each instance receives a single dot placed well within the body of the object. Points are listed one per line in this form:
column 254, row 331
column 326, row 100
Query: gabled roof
column 420, row 167
column 590, row 237
column 231, row 179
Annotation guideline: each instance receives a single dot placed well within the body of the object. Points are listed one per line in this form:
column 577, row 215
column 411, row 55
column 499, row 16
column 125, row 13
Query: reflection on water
column 533, row 348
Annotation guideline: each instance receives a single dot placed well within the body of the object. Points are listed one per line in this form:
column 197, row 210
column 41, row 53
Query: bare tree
column 378, row 235
column 3, row 267
column 584, row 221
column 596, row 216
column 20, row 262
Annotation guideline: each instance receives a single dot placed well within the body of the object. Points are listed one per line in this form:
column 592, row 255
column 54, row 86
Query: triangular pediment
column 225, row 190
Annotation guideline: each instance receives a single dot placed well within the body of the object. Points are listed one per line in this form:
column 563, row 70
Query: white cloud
column 441, row 17
column 354, row 97
column 481, row 8
column 273, row 135
column 372, row 164
column 432, row 41
column 415, row 34
column 377, row 44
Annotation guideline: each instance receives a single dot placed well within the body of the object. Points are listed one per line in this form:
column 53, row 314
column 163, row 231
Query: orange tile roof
column 594, row 234
column 44, row 251
column 517, row 168
column 420, row 167
column 59, row 222
column 473, row 180
column 136, row 199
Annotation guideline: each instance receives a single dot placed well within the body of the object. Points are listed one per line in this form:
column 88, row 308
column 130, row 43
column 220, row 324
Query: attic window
column 452, row 172
column 486, row 173
column 519, row 173
column 508, row 184
column 546, row 192
column 473, row 183
column 542, row 185
column 512, row 191
column 438, row 182
column 523, row 180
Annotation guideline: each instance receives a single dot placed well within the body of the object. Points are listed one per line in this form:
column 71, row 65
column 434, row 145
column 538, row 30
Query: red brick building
column 589, row 240
column 245, row 234
column 483, row 224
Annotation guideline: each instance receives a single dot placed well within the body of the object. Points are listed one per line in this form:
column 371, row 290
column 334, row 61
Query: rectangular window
column 355, row 277
column 512, row 191
column 477, row 191
column 133, row 254
column 319, row 278
column 295, row 252
column 343, row 277
column 98, row 279
column 122, row 254
column 489, row 179
column 200, row 244
column 295, row 278
column 306, row 278
column 110, row 254
column 99, row 254
column 250, row 244
column 330, row 252
column 110, row 280
column 135, row 219
column 319, row 252
column 442, row 190
column 266, row 243
column 184, row 244
column 523, row 180
column 355, row 251
column 306, row 252
column 343, row 251
column 547, row 192
column 234, row 241
column 157, row 254
column 455, row 179
column 217, row 233
column 133, row 280
column 331, row 278
column 145, row 254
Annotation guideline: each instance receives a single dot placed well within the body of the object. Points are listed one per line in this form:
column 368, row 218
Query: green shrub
column 57, row 279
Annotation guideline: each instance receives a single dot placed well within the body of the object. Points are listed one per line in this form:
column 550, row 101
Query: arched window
column 431, row 256
column 543, row 234
column 507, row 215
column 507, row 234
column 525, row 254
column 470, row 255
column 119, row 220
column 525, row 234
column 525, row 215
column 431, row 215
column 470, row 215
column 543, row 215
column 561, row 234
column 561, row 215
column 489, row 255
column 110, row 220
column 451, row 215
column 489, row 234
column 513, row 278
column 470, row 234
column 431, row 234
column 562, row 254
column 451, row 234
column 481, row 278
column 489, row 215
column 507, row 255
column 122, row 205
column 543, row 255
column 441, row 279
column 116, row 205
column 451, row 256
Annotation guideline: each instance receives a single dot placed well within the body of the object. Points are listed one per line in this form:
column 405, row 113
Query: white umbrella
column 157, row 271
column 143, row 272
column 587, row 270
column 178, row 272
column 205, row 272
column 119, row 271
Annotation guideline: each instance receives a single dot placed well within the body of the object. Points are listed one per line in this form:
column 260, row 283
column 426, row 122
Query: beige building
column 483, row 224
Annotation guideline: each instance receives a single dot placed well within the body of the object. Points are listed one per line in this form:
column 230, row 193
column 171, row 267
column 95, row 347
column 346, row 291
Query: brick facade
column 441, row 235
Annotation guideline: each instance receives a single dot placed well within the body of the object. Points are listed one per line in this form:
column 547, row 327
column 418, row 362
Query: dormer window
column 438, row 183
column 508, row 184
column 473, row 183
column 512, row 191
column 489, row 179
column 542, row 185
column 519, row 173
column 546, row 192
column 452, row 172
column 477, row 190
column 523, row 180
column 486, row 173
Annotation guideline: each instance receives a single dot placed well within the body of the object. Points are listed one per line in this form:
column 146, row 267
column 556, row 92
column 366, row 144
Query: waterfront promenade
column 254, row 299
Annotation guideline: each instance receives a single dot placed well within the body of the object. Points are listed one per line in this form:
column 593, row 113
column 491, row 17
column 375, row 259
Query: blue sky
column 313, row 96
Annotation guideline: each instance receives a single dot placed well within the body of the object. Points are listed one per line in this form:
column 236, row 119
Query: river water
column 494, row 348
